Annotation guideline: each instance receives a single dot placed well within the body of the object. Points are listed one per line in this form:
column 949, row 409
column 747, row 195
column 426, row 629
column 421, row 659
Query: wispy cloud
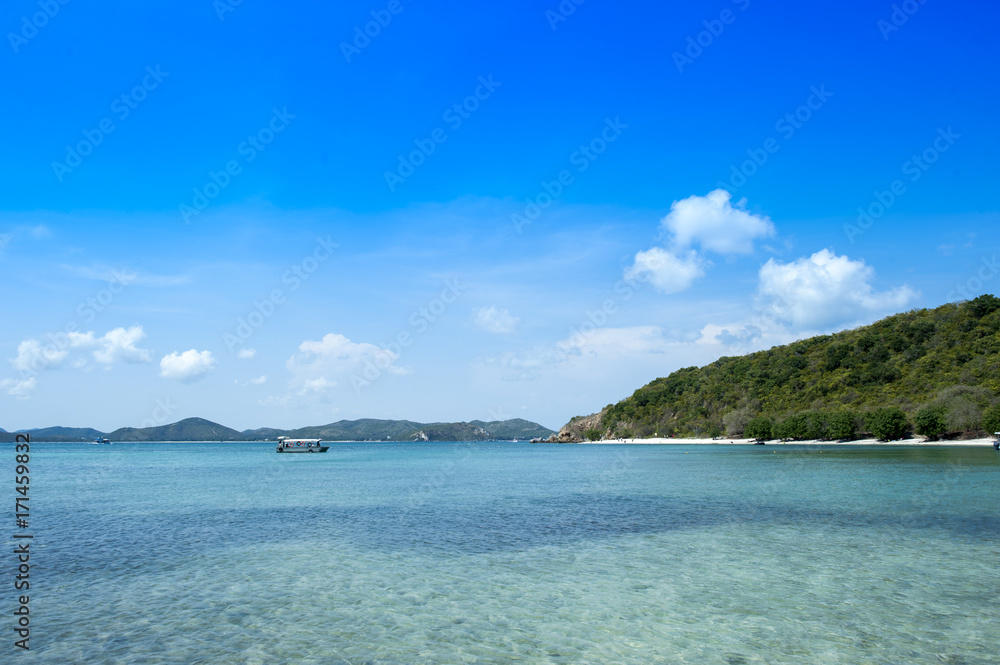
column 19, row 389
column 495, row 320
column 125, row 275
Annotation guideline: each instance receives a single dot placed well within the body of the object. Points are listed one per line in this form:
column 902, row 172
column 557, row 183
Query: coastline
column 985, row 441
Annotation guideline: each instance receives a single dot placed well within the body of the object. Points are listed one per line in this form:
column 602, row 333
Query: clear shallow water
column 512, row 553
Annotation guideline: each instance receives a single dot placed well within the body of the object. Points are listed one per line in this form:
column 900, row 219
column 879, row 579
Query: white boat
column 287, row 445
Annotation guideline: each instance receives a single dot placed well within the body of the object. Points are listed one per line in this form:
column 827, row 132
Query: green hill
column 189, row 429
column 945, row 361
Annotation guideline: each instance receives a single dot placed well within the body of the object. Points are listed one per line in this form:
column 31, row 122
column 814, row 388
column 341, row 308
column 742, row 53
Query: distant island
column 199, row 429
column 935, row 373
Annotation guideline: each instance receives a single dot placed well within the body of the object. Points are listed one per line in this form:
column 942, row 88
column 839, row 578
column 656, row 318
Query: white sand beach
column 987, row 441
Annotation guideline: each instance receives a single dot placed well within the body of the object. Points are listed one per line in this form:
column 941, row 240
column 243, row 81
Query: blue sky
column 259, row 215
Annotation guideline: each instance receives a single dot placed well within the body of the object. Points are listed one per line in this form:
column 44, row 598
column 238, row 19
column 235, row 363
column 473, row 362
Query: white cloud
column 33, row 356
column 320, row 385
column 119, row 344
column 115, row 345
column 715, row 224
column 336, row 355
column 825, row 291
column 712, row 223
column 665, row 271
column 318, row 364
column 495, row 320
column 19, row 389
column 188, row 366
column 246, row 353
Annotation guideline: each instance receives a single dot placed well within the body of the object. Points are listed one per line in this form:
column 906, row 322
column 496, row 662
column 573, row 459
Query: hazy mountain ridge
column 367, row 429
column 57, row 433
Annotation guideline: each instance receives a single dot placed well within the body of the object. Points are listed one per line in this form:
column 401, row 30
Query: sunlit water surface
column 511, row 553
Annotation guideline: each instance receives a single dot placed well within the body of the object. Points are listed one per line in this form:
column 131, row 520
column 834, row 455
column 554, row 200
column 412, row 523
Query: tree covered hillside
column 940, row 368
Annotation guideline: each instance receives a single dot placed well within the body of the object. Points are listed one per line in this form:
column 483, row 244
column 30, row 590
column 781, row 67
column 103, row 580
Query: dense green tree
column 760, row 428
column 792, row 428
column 887, row 423
column 931, row 422
column 593, row 434
column 816, row 425
column 983, row 305
column 991, row 419
column 843, row 426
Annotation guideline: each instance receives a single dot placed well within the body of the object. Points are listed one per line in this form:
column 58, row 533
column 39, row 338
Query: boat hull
column 310, row 449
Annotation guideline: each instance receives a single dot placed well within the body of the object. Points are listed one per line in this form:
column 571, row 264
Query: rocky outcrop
column 573, row 431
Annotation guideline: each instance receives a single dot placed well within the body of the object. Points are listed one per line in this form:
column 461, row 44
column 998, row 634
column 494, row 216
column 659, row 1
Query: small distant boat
column 286, row 445
column 996, row 440
column 99, row 441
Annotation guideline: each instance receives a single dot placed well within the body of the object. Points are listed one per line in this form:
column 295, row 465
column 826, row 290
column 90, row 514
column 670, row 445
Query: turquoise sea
column 510, row 553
